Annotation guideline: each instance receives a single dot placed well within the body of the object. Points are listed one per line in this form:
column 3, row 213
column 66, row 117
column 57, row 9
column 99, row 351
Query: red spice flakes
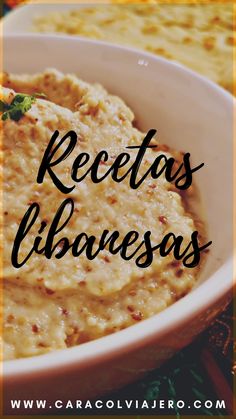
column 42, row 345
column 174, row 264
column 82, row 283
column 106, row 259
column 206, row 250
column 181, row 295
column 60, row 245
column 152, row 186
column 10, row 318
column 137, row 316
column 40, row 279
column 64, row 311
column 130, row 308
column 94, row 111
column 162, row 219
column 35, row 328
column 132, row 293
column 88, row 269
column 112, row 200
column 49, row 291
column 179, row 273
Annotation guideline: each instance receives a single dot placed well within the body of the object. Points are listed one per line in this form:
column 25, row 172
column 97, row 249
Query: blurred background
column 199, row 34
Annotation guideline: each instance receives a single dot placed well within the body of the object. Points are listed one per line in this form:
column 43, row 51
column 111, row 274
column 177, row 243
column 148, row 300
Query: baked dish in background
column 199, row 36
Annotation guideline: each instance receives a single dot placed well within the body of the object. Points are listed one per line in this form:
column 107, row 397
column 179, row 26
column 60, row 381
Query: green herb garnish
column 19, row 106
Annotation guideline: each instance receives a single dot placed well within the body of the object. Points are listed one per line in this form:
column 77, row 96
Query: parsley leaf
column 19, row 106
column 3, row 106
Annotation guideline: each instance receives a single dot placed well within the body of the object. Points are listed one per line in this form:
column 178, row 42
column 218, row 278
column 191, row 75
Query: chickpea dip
column 54, row 304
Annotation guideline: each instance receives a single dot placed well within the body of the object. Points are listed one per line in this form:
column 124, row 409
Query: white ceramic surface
column 190, row 113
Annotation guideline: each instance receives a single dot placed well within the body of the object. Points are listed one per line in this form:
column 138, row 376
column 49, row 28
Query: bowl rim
column 56, row 37
column 135, row 336
column 123, row 341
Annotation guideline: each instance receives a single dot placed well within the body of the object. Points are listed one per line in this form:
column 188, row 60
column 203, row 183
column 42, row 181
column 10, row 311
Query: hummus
column 53, row 303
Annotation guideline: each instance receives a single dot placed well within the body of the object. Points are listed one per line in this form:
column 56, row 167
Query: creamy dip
column 53, row 303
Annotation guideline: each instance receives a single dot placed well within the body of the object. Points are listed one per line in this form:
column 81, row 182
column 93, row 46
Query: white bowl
column 190, row 114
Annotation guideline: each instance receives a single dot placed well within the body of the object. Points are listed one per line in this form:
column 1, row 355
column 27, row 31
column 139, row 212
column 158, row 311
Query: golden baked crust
column 199, row 36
